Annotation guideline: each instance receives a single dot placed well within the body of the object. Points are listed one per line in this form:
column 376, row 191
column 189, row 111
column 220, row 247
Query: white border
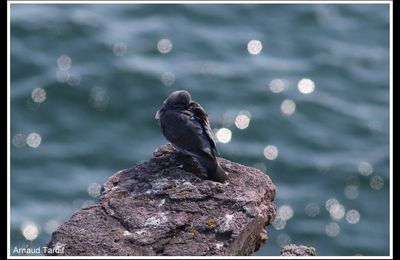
column 8, row 133
column 202, row 2
column 391, row 127
column 198, row 2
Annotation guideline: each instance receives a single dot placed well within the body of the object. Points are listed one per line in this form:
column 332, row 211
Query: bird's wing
column 185, row 130
column 200, row 113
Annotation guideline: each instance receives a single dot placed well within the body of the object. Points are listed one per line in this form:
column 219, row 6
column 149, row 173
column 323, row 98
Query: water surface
column 313, row 108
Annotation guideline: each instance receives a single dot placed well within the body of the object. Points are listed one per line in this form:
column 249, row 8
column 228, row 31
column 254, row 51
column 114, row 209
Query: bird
column 185, row 124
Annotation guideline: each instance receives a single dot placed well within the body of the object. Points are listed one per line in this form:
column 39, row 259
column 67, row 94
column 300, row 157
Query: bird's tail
column 214, row 170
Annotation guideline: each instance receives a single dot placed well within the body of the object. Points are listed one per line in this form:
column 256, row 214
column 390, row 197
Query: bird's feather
column 200, row 113
column 190, row 136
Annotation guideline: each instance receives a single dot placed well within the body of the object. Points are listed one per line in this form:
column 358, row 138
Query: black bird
column 185, row 124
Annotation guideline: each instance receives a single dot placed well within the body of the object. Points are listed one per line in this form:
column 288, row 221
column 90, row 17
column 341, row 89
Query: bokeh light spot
column 306, row 86
column 62, row 75
column 312, row 209
column 19, row 140
column 164, row 46
column 330, row 202
column 277, row 85
column 38, row 95
column 271, row 152
column 376, row 182
column 242, row 120
column 98, row 98
column 94, row 189
column 337, row 211
column 224, row 135
column 353, row 216
column 332, row 229
column 285, row 212
column 29, row 230
column 288, row 107
column 74, row 79
column 64, row 62
column 34, row 140
column 351, row 192
column 365, row 168
column 254, row 47
column 168, row 78
column 279, row 223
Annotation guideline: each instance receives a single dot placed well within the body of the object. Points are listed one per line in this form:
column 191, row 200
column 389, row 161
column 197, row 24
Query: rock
column 295, row 250
column 164, row 207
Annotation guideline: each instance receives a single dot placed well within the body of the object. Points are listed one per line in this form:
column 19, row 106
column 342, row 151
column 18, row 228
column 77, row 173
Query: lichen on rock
column 298, row 250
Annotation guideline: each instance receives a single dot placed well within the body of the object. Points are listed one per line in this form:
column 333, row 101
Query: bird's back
column 184, row 130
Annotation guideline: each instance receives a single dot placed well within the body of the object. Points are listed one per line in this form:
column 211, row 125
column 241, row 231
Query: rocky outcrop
column 164, row 206
column 298, row 250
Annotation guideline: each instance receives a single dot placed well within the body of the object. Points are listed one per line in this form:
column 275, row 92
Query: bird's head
column 178, row 100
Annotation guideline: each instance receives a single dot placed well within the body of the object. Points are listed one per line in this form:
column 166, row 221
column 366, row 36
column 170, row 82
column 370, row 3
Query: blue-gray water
column 104, row 78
